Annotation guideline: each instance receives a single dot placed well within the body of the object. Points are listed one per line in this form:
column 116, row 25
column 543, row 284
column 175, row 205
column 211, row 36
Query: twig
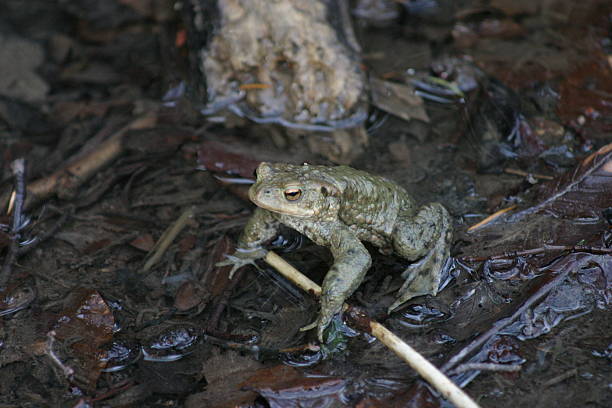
column 491, row 218
column 166, row 239
column 428, row 371
column 486, row 367
column 18, row 168
column 541, row 250
column 500, row 324
column 525, row 174
column 560, row 378
column 68, row 371
column 77, row 172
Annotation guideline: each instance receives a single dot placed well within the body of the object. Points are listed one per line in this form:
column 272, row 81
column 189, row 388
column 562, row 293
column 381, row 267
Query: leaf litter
column 530, row 290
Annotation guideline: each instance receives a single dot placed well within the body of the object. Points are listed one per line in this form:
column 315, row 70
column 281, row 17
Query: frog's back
column 370, row 204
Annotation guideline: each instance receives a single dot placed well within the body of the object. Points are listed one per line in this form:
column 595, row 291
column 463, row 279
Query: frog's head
column 299, row 191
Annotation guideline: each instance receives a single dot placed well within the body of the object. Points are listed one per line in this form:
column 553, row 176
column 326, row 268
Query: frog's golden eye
column 293, row 194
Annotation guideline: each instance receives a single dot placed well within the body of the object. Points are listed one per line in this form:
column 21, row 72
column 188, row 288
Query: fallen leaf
column 284, row 386
column 215, row 157
column 85, row 324
column 398, row 99
column 567, row 210
column 143, row 242
column 581, row 193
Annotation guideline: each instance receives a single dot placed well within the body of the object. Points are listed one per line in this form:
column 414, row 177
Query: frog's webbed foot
column 242, row 257
column 427, row 239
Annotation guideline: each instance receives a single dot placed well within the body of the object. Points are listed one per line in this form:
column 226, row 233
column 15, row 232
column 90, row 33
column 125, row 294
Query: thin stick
column 541, row 250
column 76, row 173
column 428, row 371
column 555, row 380
column 18, row 168
column 525, row 174
column 491, row 218
column 166, row 239
column 66, row 370
column 507, row 368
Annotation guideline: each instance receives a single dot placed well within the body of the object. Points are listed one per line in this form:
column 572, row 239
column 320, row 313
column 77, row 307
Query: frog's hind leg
column 426, row 239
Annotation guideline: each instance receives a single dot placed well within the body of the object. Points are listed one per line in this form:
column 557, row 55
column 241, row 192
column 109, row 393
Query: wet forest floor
column 110, row 293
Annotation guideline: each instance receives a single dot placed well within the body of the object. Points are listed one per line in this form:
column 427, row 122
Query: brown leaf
column 567, row 211
column 224, row 375
column 282, row 385
column 189, row 295
column 215, row 157
column 398, row 99
column 143, row 242
column 584, row 192
column 88, row 319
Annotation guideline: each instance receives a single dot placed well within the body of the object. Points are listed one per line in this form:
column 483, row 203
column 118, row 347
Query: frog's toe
column 236, row 263
column 321, row 324
column 310, row 326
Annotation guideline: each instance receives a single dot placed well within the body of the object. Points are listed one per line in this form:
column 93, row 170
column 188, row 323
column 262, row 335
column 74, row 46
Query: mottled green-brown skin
column 338, row 207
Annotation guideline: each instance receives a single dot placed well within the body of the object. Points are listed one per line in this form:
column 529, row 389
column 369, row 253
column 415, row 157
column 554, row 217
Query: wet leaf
column 85, row 324
column 215, row 157
column 566, row 211
column 189, row 295
column 581, row 193
column 143, row 242
column 284, row 386
column 224, row 375
column 398, row 99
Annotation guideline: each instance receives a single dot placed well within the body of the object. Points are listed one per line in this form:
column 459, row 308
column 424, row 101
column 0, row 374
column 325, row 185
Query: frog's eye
column 293, row 194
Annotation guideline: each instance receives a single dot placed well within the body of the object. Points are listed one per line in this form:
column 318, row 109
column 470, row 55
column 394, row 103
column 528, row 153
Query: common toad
column 338, row 207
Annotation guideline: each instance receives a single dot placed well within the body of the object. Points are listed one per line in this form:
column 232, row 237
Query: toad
column 338, row 207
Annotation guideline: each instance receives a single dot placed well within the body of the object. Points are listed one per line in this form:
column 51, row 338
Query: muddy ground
column 129, row 196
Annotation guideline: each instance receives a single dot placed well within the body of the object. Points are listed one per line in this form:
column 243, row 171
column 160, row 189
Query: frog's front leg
column 261, row 227
column 425, row 238
column 351, row 262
